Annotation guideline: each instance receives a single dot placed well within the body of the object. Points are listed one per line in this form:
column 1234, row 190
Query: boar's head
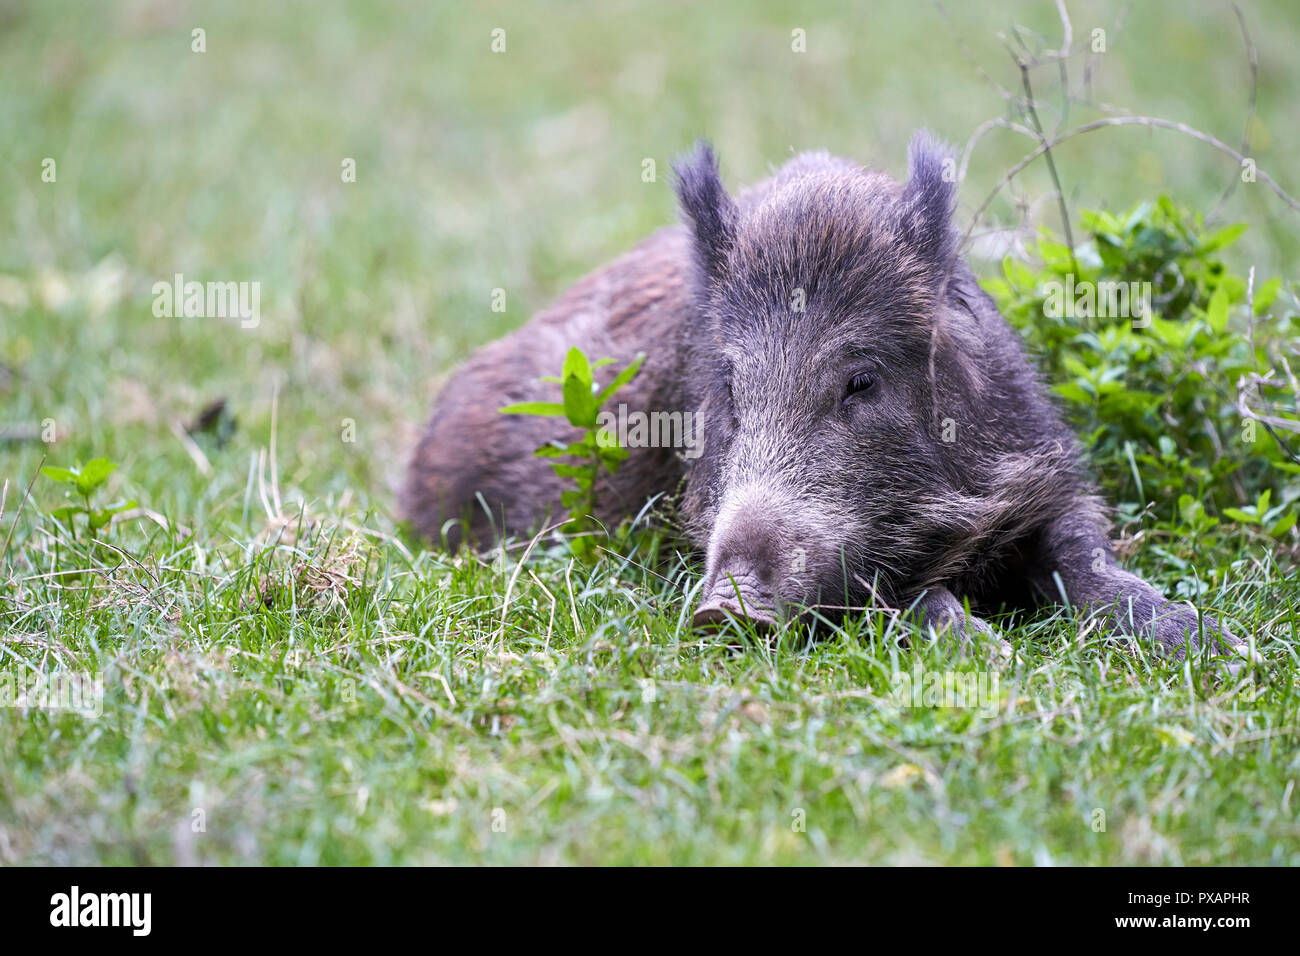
column 832, row 330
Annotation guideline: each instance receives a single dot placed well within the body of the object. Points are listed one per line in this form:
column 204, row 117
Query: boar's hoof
column 940, row 611
column 715, row 614
column 1176, row 629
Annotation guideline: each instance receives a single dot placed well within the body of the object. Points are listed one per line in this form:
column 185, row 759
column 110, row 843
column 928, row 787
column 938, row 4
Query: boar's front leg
column 1075, row 557
column 938, row 609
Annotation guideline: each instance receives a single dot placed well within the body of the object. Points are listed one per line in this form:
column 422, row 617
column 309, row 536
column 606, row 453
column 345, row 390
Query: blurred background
column 477, row 170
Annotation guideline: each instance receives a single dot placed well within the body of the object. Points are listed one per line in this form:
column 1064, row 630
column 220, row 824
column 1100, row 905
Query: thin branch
column 1149, row 121
column 970, row 57
column 981, row 131
column 1067, row 41
column 1252, row 58
column 1051, row 163
column 1090, row 59
column 1067, row 31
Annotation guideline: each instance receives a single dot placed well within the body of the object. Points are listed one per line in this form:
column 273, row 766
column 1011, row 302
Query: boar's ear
column 929, row 198
column 706, row 207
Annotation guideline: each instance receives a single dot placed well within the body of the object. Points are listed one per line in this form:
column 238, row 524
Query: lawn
column 288, row 679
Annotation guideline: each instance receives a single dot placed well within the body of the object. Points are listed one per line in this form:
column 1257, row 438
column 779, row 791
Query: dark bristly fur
column 947, row 477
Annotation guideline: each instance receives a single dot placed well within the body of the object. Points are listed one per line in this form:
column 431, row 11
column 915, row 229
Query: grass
column 278, row 659
column 320, row 696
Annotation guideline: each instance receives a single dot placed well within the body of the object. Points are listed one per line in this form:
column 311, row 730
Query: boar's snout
column 744, row 575
column 742, row 596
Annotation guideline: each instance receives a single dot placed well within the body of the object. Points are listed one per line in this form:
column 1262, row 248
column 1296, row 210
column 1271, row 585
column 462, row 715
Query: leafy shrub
column 1155, row 395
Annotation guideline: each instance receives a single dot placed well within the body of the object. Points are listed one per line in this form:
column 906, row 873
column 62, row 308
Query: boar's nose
column 716, row 614
column 735, row 594
column 745, row 553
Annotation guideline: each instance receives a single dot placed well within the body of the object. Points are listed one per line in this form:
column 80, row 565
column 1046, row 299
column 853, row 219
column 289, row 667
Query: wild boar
column 873, row 433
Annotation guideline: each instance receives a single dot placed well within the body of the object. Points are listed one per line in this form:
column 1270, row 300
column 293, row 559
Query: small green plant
column 581, row 460
column 84, row 481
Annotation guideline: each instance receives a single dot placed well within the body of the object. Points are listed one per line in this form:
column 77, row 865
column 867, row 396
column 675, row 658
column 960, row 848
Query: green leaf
column 1216, row 313
column 1017, row 274
column 104, row 515
column 576, row 366
column 1286, row 523
column 94, row 474
column 1140, row 214
column 1224, row 237
column 65, row 475
column 1074, row 392
column 1055, row 254
column 1266, row 293
column 622, row 378
column 533, row 408
column 582, row 475
column 571, row 471
column 580, row 406
column 1100, row 221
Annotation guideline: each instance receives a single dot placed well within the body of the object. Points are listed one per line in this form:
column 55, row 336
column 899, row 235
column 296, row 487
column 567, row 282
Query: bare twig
column 1067, row 41
column 191, row 448
column 1252, row 58
column 136, row 561
column 1149, row 121
column 981, row 131
column 1067, row 30
column 998, row 88
column 1032, row 114
column 1090, row 58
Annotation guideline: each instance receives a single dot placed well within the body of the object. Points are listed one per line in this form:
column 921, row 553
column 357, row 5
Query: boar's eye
column 859, row 384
